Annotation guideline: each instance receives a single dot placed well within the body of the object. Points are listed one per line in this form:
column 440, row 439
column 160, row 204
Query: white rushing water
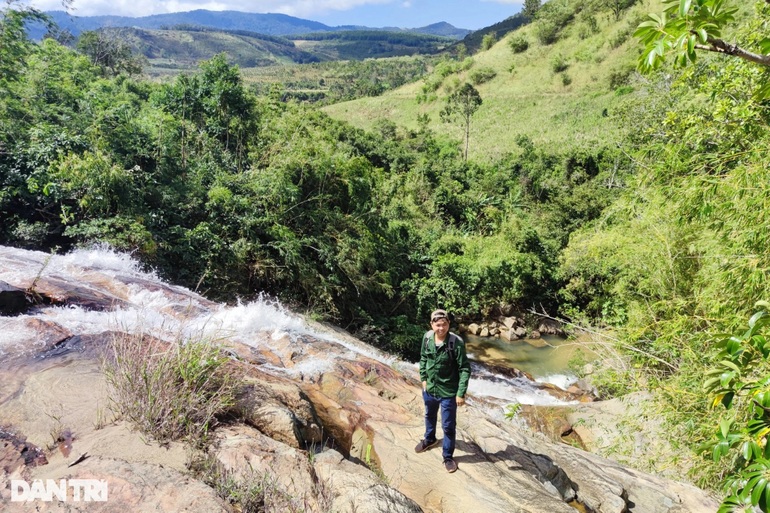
column 146, row 304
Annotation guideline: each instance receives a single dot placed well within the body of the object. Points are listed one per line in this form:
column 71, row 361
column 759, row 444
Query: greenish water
column 549, row 360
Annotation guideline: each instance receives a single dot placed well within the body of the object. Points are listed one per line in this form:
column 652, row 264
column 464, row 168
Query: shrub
column 566, row 79
column 488, row 41
column 559, row 63
column 518, row 44
column 482, row 75
column 547, row 32
column 620, row 76
column 169, row 391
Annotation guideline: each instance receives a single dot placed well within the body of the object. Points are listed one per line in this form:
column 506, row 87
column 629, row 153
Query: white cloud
column 299, row 8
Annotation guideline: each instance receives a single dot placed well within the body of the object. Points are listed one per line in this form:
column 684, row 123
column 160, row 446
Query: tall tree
column 110, row 52
column 530, row 8
column 461, row 105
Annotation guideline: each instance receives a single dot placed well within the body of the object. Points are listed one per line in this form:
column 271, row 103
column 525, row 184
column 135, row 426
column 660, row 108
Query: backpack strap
column 450, row 343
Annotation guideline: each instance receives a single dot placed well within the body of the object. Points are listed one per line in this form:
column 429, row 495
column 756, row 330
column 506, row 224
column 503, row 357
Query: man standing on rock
column 444, row 372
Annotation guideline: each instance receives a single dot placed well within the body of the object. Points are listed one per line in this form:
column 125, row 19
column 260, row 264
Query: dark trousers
column 448, row 420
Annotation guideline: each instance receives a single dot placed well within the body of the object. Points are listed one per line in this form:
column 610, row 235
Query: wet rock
column 550, row 327
column 13, row 300
column 16, row 452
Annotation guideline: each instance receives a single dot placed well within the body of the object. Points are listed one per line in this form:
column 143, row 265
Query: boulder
column 509, row 322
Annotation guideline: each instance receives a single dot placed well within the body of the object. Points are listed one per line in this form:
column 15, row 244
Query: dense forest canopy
column 659, row 241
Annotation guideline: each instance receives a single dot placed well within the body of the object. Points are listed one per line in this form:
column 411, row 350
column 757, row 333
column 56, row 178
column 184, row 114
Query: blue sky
column 469, row 14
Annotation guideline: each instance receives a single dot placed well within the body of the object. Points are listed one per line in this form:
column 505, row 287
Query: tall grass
column 169, row 391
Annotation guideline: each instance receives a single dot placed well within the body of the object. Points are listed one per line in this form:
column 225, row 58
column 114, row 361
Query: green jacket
column 446, row 376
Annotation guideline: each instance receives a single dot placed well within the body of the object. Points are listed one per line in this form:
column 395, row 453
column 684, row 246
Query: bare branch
column 723, row 47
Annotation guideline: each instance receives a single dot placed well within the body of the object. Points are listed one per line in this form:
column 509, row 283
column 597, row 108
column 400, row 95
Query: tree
column 530, row 8
column 14, row 43
column 685, row 26
column 462, row 104
column 110, row 52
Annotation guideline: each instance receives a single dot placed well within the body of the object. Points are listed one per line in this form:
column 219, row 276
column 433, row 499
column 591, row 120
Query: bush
column 620, row 76
column 482, row 75
column 169, row 392
column 552, row 18
column 488, row 41
column 559, row 63
column 518, row 44
column 547, row 32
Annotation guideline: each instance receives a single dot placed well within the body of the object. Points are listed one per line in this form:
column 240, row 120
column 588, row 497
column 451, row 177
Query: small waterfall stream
column 141, row 303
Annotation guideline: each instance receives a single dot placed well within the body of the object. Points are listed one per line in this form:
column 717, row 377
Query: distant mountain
column 268, row 24
column 183, row 47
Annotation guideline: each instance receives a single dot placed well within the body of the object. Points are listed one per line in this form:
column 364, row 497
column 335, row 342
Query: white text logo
column 85, row 490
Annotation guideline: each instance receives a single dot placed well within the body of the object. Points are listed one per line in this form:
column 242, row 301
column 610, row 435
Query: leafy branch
column 685, row 26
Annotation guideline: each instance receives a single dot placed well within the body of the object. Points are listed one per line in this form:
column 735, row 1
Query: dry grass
column 251, row 491
column 169, row 391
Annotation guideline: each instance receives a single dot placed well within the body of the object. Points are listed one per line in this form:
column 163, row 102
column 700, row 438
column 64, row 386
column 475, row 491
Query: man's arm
column 423, row 360
column 464, row 370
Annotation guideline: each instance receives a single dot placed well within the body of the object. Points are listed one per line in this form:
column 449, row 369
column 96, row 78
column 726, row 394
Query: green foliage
column 678, row 30
column 462, row 104
column 482, row 75
column 518, row 44
column 620, row 76
column 512, row 410
column 110, row 52
column 740, row 383
column 488, row 41
column 15, row 46
column 559, row 63
column 530, row 8
column 551, row 19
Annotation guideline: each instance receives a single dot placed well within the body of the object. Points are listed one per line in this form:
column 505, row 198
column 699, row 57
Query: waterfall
column 139, row 301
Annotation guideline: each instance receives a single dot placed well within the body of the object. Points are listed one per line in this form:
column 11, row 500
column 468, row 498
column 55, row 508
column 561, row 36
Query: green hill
column 182, row 48
column 561, row 93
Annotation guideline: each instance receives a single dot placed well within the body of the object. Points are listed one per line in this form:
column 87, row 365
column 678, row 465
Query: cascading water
column 141, row 302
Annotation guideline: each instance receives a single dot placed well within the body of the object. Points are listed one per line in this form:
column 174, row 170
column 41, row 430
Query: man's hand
column 425, row 385
column 460, row 401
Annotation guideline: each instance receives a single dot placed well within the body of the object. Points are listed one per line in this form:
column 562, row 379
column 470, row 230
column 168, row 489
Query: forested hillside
column 632, row 205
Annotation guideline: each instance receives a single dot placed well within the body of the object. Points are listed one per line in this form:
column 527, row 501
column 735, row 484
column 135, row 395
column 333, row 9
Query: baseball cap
column 438, row 314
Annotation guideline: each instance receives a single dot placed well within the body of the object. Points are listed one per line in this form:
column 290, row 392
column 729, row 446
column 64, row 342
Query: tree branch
column 721, row 46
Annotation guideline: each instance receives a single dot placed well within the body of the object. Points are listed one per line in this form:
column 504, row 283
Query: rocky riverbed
column 328, row 424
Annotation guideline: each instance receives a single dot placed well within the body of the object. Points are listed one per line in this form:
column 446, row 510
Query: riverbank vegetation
column 637, row 205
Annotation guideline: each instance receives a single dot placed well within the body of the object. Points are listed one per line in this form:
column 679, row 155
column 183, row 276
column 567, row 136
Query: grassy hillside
column 527, row 95
column 169, row 51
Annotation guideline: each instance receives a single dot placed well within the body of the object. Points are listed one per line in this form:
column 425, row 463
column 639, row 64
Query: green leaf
column 764, row 47
column 756, row 488
column 684, row 7
column 724, row 427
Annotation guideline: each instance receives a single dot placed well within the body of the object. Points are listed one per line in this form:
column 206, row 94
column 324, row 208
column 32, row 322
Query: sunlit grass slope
column 528, row 96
